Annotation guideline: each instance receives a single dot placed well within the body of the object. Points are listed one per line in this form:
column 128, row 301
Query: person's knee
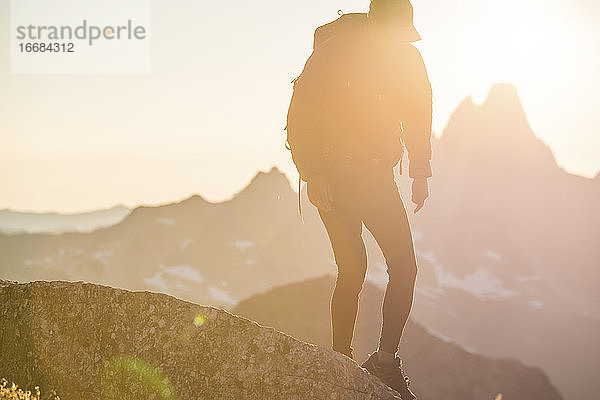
column 351, row 282
column 402, row 269
column 351, row 265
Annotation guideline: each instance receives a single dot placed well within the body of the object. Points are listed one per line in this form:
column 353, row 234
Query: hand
column 319, row 192
column 420, row 192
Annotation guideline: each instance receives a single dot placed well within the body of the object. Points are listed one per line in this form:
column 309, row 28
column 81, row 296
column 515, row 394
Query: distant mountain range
column 507, row 245
column 28, row 222
column 437, row 369
column 209, row 253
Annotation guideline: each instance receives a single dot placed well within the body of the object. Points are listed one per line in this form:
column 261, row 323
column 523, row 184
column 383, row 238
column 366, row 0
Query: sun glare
column 524, row 52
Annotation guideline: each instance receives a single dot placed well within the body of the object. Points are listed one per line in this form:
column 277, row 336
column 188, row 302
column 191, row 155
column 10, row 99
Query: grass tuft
column 13, row 392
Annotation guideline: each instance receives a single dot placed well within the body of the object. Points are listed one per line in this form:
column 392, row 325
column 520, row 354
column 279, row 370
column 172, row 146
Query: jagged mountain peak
column 271, row 184
column 265, row 188
column 497, row 131
column 274, row 174
column 504, row 94
column 500, row 116
column 195, row 199
column 465, row 105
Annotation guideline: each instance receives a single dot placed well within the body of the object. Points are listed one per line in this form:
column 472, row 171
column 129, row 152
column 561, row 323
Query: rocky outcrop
column 438, row 369
column 95, row 342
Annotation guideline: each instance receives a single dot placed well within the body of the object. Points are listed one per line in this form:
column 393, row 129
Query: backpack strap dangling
column 299, row 202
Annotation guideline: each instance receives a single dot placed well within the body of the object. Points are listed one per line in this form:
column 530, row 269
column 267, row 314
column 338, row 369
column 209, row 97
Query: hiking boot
column 391, row 374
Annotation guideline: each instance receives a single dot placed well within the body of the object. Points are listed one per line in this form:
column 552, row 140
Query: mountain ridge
column 16, row 222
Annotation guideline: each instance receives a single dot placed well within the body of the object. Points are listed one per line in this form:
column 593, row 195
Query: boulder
column 95, row 342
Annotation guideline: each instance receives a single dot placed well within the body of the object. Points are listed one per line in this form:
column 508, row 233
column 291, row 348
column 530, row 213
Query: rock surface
column 88, row 341
column 438, row 369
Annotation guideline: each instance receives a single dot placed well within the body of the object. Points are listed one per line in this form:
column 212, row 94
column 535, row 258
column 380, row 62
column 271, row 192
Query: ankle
column 385, row 356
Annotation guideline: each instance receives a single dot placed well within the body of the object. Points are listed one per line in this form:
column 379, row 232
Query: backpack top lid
column 346, row 23
column 395, row 17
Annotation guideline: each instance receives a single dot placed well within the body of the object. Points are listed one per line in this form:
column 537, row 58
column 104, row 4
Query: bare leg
column 386, row 219
column 345, row 233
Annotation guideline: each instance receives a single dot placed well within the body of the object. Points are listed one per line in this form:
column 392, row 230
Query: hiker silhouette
column 363, row 96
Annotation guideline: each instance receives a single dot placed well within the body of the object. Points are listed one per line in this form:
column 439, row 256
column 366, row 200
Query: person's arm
column 417, row 114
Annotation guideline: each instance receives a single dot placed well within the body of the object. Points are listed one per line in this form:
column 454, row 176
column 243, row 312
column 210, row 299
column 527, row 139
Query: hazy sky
column 213, row 110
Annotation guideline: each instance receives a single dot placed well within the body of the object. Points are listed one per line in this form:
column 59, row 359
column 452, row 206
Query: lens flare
column 199, row 320
column 130, row 377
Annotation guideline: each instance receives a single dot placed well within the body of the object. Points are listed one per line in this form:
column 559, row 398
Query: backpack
column 340, row 94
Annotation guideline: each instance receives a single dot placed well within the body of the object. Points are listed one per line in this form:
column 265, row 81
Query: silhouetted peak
column 196, row 199
column 273, row 177
column 466, row 106
column 504, row 94
column 501, row 116
column 271, row 183
column 495, row 133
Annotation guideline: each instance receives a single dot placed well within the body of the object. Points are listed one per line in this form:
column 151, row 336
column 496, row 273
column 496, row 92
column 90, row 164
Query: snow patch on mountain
column 103, row 256
column 185, row 243
column 537, row 303
column 481, row 283
column 429, row 291
column 182, row 286
column 244, row 245
column 417, row 235
column 493, row 255
column 181, row 273
column 166, row 221
column 157, row 281
column 377, row 273
column 221, row 295
column 184, row 272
